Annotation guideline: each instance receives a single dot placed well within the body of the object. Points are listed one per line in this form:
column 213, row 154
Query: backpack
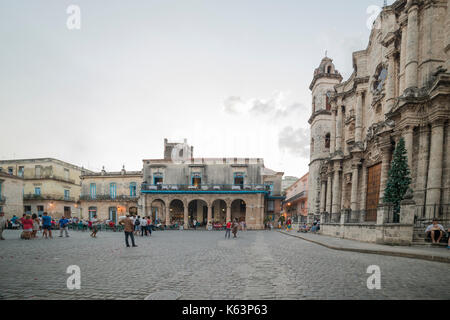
column 137, row 222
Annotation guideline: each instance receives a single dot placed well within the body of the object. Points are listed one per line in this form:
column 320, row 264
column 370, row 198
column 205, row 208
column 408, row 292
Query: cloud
column 294, row 141
column 277, row 110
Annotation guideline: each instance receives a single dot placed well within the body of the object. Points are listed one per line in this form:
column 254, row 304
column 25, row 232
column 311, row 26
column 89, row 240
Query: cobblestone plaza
column 203, row 265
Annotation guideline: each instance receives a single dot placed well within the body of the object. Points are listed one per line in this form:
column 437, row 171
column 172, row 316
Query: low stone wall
column 393, row 234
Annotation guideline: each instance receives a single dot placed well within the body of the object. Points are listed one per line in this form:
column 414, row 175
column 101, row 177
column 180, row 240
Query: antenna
column 326, row 53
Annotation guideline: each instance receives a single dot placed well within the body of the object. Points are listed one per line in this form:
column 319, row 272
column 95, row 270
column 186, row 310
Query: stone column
column 336, row 207
column 329, row 186
column 186, row 217
column 333, row 131
column 358, row 117
column 228, row 212
column 422, row 165
column 390, row 81
column 354, row 194
column 403, row 25
column 323, row 196
column 167, row 215
column 386, row 150
column 408, row 135
column 339, row 129
column 434, row 184
column 209, row 214
column 412, row 45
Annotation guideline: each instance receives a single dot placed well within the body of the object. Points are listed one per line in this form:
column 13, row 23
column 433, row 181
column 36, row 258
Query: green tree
column 399, row 178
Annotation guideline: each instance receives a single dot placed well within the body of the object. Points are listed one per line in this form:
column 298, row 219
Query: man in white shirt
column 144, row 224
column 435, row 231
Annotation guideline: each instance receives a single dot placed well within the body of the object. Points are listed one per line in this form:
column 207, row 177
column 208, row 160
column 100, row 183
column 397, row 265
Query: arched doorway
column 198, row 210
column 219, row 211
column 158, row 212
column 238, row 210
column 176, row 212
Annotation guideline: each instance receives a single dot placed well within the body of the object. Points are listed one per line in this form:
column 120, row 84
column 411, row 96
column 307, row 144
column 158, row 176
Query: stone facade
column 11, row 200
column 110, row 195
column 295, row 205
column 400, row 87
column 209, row 190
column 50, row 185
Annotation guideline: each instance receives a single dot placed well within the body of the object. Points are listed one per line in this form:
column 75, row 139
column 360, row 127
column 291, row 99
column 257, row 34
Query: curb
column 370, row 251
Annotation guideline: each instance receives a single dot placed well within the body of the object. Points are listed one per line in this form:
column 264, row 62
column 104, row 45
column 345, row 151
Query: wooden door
column 373, row 192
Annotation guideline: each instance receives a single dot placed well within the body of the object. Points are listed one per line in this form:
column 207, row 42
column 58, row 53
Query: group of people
column 314, row 228
column 436, row 232
column 231, row 227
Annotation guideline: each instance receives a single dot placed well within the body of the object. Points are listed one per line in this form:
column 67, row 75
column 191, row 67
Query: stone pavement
column 203, row 265
column 441, row 254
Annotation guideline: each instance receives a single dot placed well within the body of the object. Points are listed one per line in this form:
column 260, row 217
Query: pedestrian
column 94, row 226
column 235, row 227
column 137, row 225
column 228, row 230
column 143, row 225
column 27, row 225
column 47, row 226
column 36, row 225
column 194, row 223
column 128, row 229
column 63, row 226
column 149, row 225
column 3, row 224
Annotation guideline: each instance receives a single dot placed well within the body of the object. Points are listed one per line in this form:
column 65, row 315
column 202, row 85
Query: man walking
column 3, row 224
column 63, row 226
column 143, row 226
column 128, row 229
column 47, row 226
column 228, row 230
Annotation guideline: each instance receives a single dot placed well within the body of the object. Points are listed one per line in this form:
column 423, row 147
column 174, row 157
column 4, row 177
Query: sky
column 230, row 76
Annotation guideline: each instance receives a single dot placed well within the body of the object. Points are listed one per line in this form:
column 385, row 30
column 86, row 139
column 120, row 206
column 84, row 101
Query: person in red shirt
column 27, row 224
column 228, row 230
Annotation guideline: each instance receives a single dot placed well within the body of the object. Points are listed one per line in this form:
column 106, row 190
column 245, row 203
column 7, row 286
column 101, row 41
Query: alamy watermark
column 74, row 280
column 374, row 280
column 73, row 21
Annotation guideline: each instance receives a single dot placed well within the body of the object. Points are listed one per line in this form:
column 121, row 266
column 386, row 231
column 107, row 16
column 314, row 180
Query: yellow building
column 50, row 185
column 11, row 200
column 109, row 195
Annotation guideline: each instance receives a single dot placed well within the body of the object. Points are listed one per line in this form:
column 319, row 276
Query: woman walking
column 94, row 227
column 235, row 228
column 36, row 225
column 27, row 224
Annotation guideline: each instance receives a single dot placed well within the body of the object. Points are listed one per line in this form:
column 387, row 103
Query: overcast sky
column 231, row 76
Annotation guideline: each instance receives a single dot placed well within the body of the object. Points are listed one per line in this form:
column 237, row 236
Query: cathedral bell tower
column 322, row 87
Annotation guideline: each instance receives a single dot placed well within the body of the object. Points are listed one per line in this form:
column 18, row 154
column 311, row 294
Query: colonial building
column 400, row 87
column 296, row 204
column 50, row 185
column 109, row 195
column 181, row 189
column 287, row 182
column 11, row 199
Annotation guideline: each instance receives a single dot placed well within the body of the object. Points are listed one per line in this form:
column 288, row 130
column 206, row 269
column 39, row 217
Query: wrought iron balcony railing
column 205, row 187
column 107, row 197
column 47, row 196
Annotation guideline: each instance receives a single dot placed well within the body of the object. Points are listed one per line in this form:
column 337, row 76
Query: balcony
column 107, row 197
column 55, row 197
column 205, row 188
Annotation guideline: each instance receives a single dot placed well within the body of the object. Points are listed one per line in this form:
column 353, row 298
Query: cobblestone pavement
column 202, row 265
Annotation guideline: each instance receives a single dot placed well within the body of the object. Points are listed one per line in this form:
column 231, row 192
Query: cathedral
column 400, row 87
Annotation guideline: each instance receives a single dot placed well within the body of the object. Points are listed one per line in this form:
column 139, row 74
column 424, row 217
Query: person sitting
column 435, row 231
